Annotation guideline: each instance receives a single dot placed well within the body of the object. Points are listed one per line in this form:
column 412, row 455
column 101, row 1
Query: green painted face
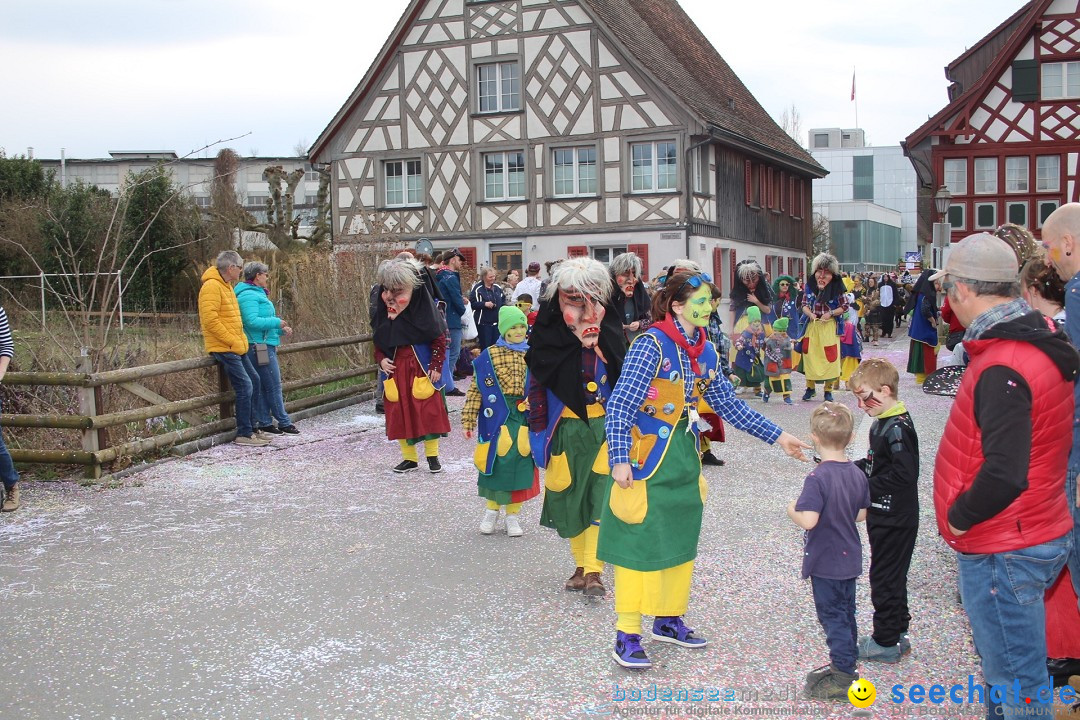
column 516, row 334
column 699, row 307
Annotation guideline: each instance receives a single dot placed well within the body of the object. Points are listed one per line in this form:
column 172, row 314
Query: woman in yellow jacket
column 224, row 340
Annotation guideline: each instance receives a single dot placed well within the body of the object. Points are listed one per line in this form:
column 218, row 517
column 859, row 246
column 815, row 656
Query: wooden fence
column 94, row 425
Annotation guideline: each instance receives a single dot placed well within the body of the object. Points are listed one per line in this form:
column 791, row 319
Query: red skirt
column 409, row 417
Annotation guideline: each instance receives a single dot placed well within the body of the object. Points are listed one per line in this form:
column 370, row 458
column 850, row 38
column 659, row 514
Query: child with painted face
column 410, row 349
column 575, row 353
column 778, row 365
column 714, row 331
column 749, row 366
column 524, row 303
column 495, row 406
column 653, row 510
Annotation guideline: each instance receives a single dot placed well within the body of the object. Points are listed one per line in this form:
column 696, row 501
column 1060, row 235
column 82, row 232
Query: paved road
column 306, row 580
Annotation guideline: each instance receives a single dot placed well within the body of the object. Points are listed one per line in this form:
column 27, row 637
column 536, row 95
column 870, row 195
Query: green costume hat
column 776, row 285
column 780, row 325
column 753, row 314
column 510, row 316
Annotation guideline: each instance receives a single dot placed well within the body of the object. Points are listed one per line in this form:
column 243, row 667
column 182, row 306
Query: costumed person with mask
column 750, row 290
column 922, row 305
column 495, row 408
column 748, row 346
column 823, row 309
column 652, row 512
column 778, row 362
column 410, row 349
column 575, row 353
column 629, row 296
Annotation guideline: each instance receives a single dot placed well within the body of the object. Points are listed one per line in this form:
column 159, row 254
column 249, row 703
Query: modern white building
column 869, row 197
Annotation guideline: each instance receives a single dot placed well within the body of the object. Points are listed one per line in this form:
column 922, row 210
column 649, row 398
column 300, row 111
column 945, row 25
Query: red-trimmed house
column 523, row 130
column 1007, row 144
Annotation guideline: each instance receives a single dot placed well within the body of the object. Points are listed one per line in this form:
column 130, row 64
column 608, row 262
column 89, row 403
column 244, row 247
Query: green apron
column 573, row 491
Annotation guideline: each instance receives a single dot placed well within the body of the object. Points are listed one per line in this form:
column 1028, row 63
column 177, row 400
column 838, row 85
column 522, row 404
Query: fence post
column 88, row 406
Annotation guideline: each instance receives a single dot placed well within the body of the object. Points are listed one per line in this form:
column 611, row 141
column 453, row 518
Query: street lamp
column 942, row 230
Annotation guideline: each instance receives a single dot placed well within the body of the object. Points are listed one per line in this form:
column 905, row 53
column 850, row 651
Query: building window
column 404, row 183
column 1060, row 80
column 1045, row 208
column 504, row 176
column 498, row 87
column 956, row 176
column 701, row 170
column 257, row 201
column 310, row 174
column 1048, row 173
column 607, row 254
column 862, row 167
column 985, row 216
column 653, row 166
column 202, row 201
column 821, row 140
column 985, row 176
column 1017, row 213
column 1016, row 175
column 957, row 212
column 575, row 171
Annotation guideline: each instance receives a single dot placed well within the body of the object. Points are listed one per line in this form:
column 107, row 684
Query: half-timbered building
column 1007, row 144
column 522, row 130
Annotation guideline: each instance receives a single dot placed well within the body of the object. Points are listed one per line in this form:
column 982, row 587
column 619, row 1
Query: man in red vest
column 999, row 476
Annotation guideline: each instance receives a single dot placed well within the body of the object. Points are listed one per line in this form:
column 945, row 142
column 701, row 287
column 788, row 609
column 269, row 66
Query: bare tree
column 821, row 233
column 791, row 123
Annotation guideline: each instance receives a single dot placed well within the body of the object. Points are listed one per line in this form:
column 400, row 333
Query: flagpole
column 854, row 99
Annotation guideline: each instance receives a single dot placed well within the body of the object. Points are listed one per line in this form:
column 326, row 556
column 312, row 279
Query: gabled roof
column 1032, row 11
column 667, row 45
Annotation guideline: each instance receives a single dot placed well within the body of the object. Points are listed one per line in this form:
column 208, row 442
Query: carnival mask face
column 698, row 307
column 751, row 282
column 626, row 283
column 823, row 276
column 396, row 300
column 583, row 315
column 516, row 334
column 756, row 327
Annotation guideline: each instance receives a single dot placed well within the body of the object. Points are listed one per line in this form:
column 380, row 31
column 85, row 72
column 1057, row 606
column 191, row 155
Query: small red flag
column 853, row 85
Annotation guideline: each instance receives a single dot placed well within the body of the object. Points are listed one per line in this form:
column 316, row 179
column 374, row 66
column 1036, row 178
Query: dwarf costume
column 749, row 367
column 778, row 361
column 495, row 407
column 568, row 387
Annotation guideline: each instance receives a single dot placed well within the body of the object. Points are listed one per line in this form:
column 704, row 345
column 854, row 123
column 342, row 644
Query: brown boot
column 593, row 586
column 576, row 583
column 11, row 502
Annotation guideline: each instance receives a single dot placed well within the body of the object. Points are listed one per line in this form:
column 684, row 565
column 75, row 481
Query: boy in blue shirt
column 834, row 498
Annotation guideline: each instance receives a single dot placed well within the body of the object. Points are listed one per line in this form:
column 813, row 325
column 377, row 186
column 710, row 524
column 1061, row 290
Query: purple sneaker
column 674, row 630
column 628, row 652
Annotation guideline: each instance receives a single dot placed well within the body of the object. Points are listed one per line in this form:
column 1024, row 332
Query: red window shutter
column 783, row 204
column 790, row 265
column 749, row 182
column 642, row 251
column 717, row 264
column 733, row 263
column 470, row 256
column 577, row 251
column 768, row 264
column 763, row 186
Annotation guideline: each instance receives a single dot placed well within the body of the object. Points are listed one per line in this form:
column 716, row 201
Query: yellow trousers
column 583, row 548
column 511, row 509
column 662, row 593
column 408, row 452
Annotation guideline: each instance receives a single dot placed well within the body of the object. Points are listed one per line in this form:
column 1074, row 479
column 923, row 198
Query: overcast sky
column 183, row 74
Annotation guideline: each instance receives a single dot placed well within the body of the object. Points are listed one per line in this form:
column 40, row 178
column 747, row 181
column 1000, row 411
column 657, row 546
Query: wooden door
column 504, row 261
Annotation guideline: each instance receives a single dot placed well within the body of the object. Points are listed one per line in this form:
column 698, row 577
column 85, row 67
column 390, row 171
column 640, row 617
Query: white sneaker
column 513, row 527
column 487, row 525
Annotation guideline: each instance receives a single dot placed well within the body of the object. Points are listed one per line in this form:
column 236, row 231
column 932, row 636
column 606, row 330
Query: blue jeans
column 7, row 468
column 835, row 604
column 487, row 335
column 455, row 347
column 269, row 401
column 245, row 381
column 1003, row 596
column 1074, row 553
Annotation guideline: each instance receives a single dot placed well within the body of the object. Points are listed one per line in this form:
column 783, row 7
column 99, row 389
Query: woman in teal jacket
column 262, row 325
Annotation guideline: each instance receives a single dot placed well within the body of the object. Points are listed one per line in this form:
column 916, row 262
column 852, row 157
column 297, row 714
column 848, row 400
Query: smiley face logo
column 862, row 693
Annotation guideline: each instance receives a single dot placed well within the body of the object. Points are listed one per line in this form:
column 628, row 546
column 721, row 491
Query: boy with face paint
column 495, row 406
column 748, row 346
column 575, row 354
column 653, row 511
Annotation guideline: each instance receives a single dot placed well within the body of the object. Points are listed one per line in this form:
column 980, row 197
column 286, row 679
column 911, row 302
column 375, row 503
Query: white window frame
column 203, row 201
column 410, row 196
column 1027, row 212
column 962, row 208
column 993, row 223
column 505, row 158
column 652, row 175
column 986, row 186
column 1039, row 209
column 310, row 173
column 504, row 101
column 577, row 165
column 1070, row 73
column 1042, row 180
column 1017, row 174
column 956, row 168
column 611, row 252
column 258, row 200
